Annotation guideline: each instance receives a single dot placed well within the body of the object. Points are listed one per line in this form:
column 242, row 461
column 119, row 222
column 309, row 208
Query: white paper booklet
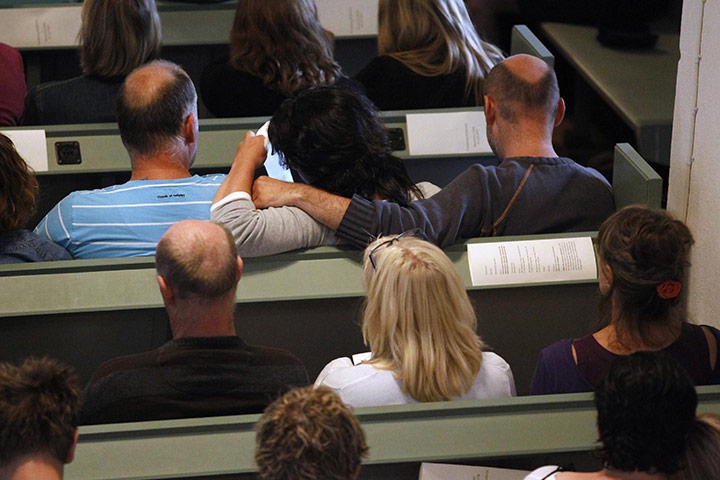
column 349, row 17
column 447, row 133
column 31, row 145
column 441, row 471
column 40, row 27
column 358, row 358
column 272, row 164
column 532, row 261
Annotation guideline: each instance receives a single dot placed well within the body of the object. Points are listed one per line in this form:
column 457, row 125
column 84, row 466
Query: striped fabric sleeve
column 56, row 224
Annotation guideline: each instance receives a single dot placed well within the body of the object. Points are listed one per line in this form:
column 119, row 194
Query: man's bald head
column 152, row 106
column 197, row 259
column 523, row 85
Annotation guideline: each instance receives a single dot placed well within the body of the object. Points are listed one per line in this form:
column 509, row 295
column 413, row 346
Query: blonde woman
column 116, row 37
column 420, row 327
column 277, row 49
column 430, row 56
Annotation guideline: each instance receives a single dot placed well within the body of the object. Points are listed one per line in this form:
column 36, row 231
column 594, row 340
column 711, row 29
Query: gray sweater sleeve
column 268, row 231
column 459, row 210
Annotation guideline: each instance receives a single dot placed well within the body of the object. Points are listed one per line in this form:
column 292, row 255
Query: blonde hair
column 118, row 35
column 283, row 43
column 418, row 320
column 436, row 37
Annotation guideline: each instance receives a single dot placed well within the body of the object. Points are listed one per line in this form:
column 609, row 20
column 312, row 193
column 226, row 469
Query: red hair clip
column 668, row 289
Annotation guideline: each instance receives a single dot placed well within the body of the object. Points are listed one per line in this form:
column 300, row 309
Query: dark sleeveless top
column 690, row 350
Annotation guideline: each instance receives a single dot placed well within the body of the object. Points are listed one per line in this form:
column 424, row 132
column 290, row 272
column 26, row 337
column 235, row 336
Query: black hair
column 335, row 140
column 144, row 128
column 646, row 409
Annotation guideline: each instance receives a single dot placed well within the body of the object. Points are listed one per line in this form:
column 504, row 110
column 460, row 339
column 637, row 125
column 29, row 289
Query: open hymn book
column 532, row 261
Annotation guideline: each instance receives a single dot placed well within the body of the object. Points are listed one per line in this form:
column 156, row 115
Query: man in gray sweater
column 531, row 191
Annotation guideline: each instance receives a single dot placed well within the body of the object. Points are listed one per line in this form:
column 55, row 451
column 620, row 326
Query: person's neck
column 202, row 320
column 163, row 166
column 524, row 144
column 655, row 337
column 36, row 467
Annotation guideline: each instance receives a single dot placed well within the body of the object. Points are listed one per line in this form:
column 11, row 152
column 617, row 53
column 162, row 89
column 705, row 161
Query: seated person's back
column 420, row 327
column 277, row 50
column 643, row 254
column 206, row 369
column 12, row 86
column 331, row 138
column 532, row 190
column 18, row 189
column 431, row 57
column 157, row 119
column 116, row 37
column 645, row 420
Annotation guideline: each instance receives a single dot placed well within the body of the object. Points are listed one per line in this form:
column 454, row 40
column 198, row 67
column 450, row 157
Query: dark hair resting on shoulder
column 647, row 250
column 646, row 410
column 336, row 141
column 18, row 188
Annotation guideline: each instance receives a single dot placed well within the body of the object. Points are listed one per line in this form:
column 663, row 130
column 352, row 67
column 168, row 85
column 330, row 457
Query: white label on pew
column 532, row 261
column 441, row 471
column 40, row 27
column 447, row 133
column 31, row 145
column 349, row 17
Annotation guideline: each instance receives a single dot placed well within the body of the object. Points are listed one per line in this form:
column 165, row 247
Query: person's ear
column 490, row 110
column 560, row 112
column 71, row 451
column 606, row 278
column 165, row 290
column 189, row 130
column 239, row 268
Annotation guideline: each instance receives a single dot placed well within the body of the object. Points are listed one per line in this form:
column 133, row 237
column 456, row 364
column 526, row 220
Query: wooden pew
column 309, row 302
column 523, row 40
column 104, row 161
column 524, row 432
column 110, row 307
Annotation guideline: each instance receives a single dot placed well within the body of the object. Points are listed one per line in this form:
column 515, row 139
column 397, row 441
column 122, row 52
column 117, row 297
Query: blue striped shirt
column 127, row 220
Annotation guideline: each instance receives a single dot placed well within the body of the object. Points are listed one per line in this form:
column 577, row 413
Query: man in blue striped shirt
column 158, row 123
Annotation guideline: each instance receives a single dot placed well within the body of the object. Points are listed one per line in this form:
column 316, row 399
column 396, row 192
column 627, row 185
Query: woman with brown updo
column 18, row 188
column 643, row 254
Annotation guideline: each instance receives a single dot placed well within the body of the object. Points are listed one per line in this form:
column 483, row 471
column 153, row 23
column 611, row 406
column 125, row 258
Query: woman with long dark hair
column 277, row 49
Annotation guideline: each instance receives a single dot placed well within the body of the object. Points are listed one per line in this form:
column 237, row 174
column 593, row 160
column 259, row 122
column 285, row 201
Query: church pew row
column 193, row 34
column 308, row 302
column 93, row 156
column 521, row 432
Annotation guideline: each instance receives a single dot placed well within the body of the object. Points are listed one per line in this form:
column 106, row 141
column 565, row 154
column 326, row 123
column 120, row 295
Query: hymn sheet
column 532, row 261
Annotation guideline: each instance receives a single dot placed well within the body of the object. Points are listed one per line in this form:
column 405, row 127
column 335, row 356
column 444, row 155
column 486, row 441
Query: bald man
column 206, row 369
column 158, row 123
column 532, row 190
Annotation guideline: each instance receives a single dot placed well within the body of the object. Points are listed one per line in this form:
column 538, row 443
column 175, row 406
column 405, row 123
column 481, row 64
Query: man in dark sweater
column 531, row 191
column 206, row 369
